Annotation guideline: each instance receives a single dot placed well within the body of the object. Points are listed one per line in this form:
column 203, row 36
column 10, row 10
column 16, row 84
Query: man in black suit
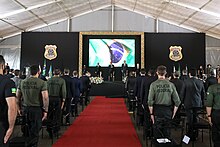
column 145, row 86
column 111, row 72
column 210, row 80
column 137, row 93
column 70, row 87
column 184, row 75
column 124, row 69
column 98, row 71
column 86, row 85
column 194, row 97
column 129, row 86
column 179, row 84
column 78, row 91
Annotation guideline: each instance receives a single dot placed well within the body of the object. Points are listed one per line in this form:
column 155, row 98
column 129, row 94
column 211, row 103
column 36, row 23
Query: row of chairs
column 179, row 124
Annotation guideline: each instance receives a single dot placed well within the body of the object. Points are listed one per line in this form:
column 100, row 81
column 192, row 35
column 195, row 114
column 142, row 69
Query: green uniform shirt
column 57, row 87
column 213, row 96
column 31, row 89
column 163, row 92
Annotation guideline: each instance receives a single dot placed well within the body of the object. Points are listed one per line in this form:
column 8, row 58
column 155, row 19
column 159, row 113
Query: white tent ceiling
column 25, row 15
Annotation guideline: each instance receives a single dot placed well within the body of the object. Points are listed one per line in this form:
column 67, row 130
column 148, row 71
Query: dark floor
column 45, row 141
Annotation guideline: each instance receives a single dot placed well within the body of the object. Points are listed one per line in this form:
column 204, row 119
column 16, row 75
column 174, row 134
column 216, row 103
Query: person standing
column 34, row 92
column 162, row 95
column 213, row 111
column 78, row 91
column 137, row 94
column 98, row 71
column 124, row 69
column 145, row 86
column 111, row 72
column 57, row 96
column 193, row 99
column 86, row 85
column 8, row 106
column 184, row 75
column 70, row 87
column 211, row 80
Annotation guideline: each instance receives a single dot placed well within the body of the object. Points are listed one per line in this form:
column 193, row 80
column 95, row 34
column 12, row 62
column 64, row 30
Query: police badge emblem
column 50, row 52
column 175, row 53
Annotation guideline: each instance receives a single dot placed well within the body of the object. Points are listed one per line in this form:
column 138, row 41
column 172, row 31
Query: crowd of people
column 43, row 100
column 162, row 98
column 39, row 100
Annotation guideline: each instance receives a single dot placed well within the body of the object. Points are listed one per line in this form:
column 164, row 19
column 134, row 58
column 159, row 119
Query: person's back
column 210, row 81
column 31, row 88
column 56, row 88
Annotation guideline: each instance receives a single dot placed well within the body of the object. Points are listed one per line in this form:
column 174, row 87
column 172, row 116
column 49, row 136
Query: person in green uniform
column 57, row 95
column 34, row 92
column 213, row 111
column 162, row 95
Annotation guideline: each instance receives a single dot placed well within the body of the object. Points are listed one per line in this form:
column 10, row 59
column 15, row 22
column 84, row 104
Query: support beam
column 5, row 15
column 23, row 6
column 113, row 6
column 156, row 26
column 69, row 25
column 194, row 13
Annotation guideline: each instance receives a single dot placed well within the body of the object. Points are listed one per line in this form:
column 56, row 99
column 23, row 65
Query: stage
column 108, row 89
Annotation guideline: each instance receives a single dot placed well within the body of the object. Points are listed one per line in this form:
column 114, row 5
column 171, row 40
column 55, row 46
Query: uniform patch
column 13, row 90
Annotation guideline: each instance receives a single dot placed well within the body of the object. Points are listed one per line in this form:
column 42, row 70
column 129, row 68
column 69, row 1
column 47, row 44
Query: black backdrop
column 33, row 43
column 156, row 49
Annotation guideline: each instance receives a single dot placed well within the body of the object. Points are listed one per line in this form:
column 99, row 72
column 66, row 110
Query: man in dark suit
column 179, row 84
column 129, row 86
column 78, row 91
column 86, row 85
column 137, row 93
column 98, row 71
column 145, row 86
column 70, row 87
column 184, row 75
column 124, row 69
column 111, row 72
column 210, row 80
column 194, row 96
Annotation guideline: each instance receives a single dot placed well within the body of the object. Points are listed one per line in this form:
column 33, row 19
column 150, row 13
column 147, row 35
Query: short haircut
column 34, row 69
column 75, row 73
column 142, row 71
column 161, row 70
column 184, row 72
column 176, row 74
column 66, row 71
column 193, row 72
column 2, row 60
column 17, row 72
column 56, row 71
column 151, row 72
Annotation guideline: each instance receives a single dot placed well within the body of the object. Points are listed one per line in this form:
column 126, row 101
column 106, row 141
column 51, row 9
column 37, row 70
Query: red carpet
column 104, row 123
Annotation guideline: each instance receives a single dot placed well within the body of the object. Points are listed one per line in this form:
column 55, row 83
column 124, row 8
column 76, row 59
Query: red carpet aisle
column 104, row 123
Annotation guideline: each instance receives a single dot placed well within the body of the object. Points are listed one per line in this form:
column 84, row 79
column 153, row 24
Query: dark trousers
column 67, row 108
column 74, row 109
column 192, row 115
column 54, row 115
column 162, row 117
column 216, row 127
column 3, row 129
column 33, row 116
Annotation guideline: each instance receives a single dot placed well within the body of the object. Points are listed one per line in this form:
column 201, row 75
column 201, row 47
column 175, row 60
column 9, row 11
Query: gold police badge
column 50, row 52
column 175, row 53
